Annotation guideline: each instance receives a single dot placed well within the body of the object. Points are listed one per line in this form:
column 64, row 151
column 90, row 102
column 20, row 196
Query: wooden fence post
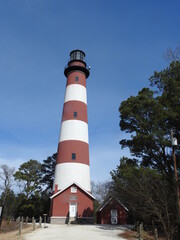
column 141, row 231
column 20, row 228
column 40, row 221
column 156, row 234
column 45, row 215
column 22, row 220
column 33, row 224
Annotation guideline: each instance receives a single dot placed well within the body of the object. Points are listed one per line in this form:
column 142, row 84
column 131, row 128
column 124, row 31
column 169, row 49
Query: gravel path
column 76, row 232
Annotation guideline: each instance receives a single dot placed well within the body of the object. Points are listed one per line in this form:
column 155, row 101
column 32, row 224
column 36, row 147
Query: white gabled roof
column 57, row 193
column 104, row 204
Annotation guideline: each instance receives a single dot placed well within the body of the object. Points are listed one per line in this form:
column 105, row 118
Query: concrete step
column 72, row 220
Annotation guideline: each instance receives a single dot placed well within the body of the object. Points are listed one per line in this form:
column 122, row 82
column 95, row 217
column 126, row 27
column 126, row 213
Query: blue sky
column 124, row 41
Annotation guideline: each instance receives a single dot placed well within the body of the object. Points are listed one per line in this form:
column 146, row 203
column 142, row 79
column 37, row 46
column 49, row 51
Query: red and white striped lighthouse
column 72, row 197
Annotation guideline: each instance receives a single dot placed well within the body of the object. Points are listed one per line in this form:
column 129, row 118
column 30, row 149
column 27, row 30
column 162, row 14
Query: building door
column 113, row 216
column 72, row 210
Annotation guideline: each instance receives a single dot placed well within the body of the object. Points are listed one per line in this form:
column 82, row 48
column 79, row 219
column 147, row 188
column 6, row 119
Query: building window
column 73, row 189
column 76, row 78
column 73, row 198
column 75, row 114
column 73, row 156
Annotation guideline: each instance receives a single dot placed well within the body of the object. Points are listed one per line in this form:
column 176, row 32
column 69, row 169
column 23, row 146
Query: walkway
column 76, row 232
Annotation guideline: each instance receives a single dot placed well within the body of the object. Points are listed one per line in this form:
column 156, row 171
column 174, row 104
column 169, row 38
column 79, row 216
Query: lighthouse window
column 75, row 114
column 73, row 156
column 78, row 55
column 76, row 78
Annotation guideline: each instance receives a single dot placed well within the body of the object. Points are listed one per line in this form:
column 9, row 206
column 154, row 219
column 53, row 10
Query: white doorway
column 72, row 210
column 113, row 216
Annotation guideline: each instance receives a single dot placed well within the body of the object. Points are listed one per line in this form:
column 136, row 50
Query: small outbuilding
column 112, row 211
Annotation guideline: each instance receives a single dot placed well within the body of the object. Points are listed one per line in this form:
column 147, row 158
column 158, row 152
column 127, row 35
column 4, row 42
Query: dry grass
column 10, row 231
column 133, row 235
column 130, row 235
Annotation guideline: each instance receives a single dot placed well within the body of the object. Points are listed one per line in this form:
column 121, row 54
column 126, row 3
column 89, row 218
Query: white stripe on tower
column 66, row 170
column 75, row 92
column 74, row 130
column 73, row 150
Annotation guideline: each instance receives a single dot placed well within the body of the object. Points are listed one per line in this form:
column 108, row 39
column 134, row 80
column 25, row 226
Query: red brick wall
column 85, row 204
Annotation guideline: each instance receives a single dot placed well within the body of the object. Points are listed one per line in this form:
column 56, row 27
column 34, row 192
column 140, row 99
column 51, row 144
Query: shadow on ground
column 113, row 227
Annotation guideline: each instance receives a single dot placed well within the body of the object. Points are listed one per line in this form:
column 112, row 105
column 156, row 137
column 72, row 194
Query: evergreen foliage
column 29, row 176
column 48, row 169
column 146, row 182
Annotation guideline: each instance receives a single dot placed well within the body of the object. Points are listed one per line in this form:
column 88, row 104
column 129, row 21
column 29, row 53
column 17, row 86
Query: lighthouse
column 72, row 199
